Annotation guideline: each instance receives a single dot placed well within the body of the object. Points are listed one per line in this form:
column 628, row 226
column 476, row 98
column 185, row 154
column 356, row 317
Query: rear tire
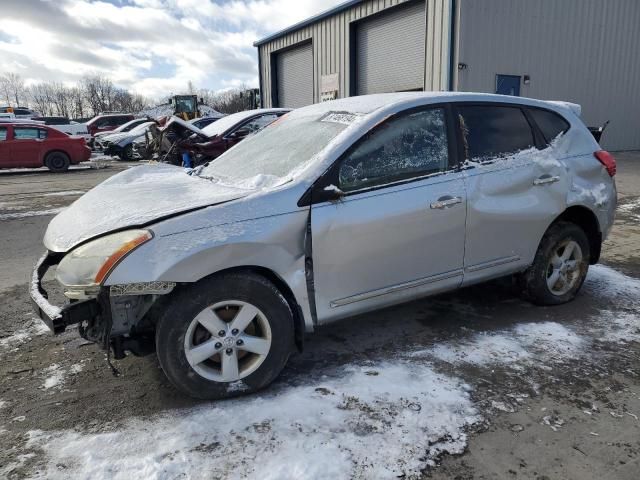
column 216, row 361
column 560, row 266
column 57, row 162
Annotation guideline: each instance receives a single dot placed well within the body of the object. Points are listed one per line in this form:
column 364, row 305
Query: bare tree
column 98, row 92
column 233, row 100
column 12, row 87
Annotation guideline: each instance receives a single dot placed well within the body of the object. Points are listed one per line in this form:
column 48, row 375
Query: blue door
column 508, row 85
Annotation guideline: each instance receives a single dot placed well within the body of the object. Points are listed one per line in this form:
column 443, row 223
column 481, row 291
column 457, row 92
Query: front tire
column 57, row 162
column 560, row 266
column 126, row 155
column 225, row 336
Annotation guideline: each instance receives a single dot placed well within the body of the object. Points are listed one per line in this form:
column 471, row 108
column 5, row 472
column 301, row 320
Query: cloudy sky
column 152, row 47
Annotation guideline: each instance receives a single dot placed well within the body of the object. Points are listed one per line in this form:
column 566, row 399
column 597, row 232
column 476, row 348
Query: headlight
column 89, row 264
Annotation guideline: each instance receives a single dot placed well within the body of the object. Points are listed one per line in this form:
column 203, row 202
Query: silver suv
column 334, row 210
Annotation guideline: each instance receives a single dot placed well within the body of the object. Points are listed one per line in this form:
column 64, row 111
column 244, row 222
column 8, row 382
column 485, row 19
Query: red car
column 32, row 146
column 107, row 122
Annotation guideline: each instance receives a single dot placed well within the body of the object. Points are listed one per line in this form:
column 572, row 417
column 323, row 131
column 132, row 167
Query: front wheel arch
column 268, row 274
column 174, row 335
column 285, row 290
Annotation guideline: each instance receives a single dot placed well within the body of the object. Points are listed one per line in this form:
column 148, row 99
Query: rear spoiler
column 577, row 110
column 573, row 107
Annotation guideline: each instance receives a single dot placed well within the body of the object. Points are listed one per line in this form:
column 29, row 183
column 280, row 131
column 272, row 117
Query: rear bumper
column 58, row 318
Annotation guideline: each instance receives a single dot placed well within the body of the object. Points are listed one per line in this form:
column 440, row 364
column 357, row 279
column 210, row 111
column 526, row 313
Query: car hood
column 104, row 134
column 134, row 198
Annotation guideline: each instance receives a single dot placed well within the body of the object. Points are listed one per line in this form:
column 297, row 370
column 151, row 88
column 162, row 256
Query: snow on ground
column 56, row 375
column 621, row 323
column 631, row 208
column 514, row 347
column 607, row 283
column 334, row 426
column 64, row 193
column 80, row 166
column 331, row 428
column 31, row 213
column 34, row 326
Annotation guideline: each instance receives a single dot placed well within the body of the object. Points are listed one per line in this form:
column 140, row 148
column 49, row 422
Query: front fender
column 275, row 243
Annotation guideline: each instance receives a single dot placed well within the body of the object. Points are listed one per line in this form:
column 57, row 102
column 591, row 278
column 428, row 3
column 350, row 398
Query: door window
column 260, row 122
column 3, row 134
column 406, row 146
column 550, row 124
column 27, row 133
column 493, row 131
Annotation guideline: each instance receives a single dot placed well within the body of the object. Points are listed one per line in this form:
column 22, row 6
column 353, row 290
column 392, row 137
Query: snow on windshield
column 275, row 152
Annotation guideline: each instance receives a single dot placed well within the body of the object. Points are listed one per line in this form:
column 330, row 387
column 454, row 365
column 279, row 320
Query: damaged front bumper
column 59, row 318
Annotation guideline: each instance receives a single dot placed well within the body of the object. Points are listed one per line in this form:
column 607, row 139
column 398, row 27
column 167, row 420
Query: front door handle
column 546, row 179
column 446, row 201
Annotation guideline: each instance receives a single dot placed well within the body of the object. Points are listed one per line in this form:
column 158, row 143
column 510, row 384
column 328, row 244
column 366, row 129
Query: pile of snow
column 620, row 323
column 609, row 284
column 333, row 428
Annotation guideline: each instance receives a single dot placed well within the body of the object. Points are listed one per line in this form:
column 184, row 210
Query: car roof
column 367, row 104
column 24, row 124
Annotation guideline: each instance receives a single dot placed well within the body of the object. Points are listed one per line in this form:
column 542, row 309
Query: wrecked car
column 206, row 144
column 122, row 144
column 337, row 209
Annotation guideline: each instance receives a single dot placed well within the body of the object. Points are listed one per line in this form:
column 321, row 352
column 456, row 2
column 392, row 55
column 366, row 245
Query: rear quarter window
column 550, row 123
column 491, row 131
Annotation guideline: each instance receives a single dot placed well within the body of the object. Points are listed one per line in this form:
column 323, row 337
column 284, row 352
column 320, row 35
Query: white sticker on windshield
column 345, row 118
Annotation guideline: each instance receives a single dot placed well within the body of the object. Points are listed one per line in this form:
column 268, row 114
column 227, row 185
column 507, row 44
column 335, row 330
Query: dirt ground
column 569, row 411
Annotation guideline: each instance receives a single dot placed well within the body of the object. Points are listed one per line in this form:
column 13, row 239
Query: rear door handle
column 446, row 201
column 546, row 179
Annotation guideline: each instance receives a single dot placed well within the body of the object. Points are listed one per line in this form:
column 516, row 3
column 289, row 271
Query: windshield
column 225, row 123
column 141, row 128
column 185, row 104
column 270, row 157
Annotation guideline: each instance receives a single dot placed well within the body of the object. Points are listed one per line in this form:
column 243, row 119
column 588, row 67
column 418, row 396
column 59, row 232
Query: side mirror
column 332, row 193
column 240, row 133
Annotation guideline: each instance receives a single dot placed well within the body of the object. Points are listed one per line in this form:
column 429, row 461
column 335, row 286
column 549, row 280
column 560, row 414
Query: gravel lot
column 472, row 385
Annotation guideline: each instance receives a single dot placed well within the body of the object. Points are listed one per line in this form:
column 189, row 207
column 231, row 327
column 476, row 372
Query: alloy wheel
column 565, row 267
column 227, row 341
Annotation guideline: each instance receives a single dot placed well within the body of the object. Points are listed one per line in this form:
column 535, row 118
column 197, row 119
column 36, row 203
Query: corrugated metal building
column 584, row 51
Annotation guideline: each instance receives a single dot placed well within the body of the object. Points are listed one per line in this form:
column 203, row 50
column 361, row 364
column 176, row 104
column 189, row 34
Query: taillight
column 607, row 161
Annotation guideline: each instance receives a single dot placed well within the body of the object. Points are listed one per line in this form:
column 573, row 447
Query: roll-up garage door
column 295, row 77
column 390, row 51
